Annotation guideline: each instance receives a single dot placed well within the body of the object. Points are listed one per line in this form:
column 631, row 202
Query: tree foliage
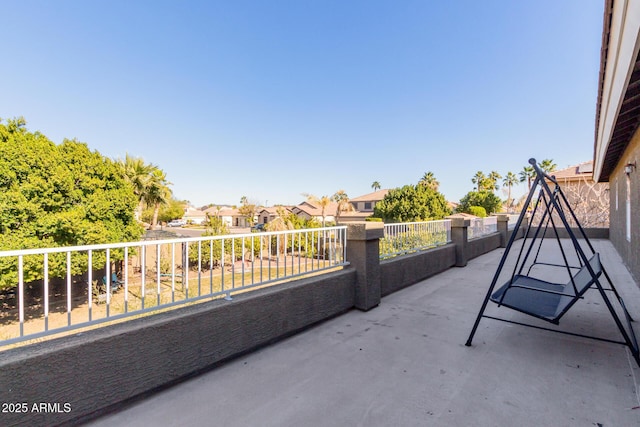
column 429, row 179
column 342, row 200
column 547, row 165
column 58, row 195
column 486, row 182
column 412, row 203
column 478, row 211
column 509, row 181
column 174, row 209
column 248, row 210
column 149, row 184
column 486, row 199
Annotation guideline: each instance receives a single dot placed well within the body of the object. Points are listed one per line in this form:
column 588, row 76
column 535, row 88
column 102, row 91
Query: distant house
column 194, row 216
column 267, row 215
column 229, row 216
column 308, row 210
column 588, row 199
column 368, row 202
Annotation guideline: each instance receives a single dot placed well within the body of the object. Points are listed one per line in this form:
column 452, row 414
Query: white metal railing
column 513, row 219
column 409, row 237
column 482, row 226
column 65, row 288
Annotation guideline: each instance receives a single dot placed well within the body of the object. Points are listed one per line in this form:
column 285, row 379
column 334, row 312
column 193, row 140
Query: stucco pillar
column 363, row 253
column 459, row 230
column 503, row 229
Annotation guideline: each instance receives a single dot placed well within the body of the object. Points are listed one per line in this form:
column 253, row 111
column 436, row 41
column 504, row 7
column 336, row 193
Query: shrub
column 478, row 211
column 489, row 201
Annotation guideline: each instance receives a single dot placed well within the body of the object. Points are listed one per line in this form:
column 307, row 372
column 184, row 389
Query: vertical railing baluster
column 173, row 272
column 233, row 263
column 158, row 273
column 299, row 252
column 126, row 279
column 261, row 255
column 143, row 271
column 185, row 269
column 222, row 263
column 242, row 262
column 45, row 284
column 211, row 266
column 107, row 279
column 90, row 282
column 200, row 268
column 253, row 260
column 68, row 288
column 21, row 293
column 269, row 254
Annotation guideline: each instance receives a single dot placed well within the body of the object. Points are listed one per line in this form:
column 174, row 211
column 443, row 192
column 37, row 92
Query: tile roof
column 314, row 209
column 371, row 197
column 576, row 172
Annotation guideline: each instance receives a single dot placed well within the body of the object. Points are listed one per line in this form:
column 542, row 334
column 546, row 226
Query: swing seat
column 545, row 300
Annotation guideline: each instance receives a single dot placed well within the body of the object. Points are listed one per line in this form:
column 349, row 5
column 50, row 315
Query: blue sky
column 273, row 99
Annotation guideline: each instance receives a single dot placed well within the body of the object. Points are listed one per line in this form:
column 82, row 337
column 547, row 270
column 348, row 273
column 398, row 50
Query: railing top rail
column 417, row 222
column 102, row 246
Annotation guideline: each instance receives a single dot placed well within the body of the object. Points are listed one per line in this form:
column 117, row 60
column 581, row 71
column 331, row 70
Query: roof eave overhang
column 618, row 105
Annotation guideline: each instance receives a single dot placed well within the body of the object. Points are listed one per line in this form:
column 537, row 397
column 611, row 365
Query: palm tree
column 526, row 174
column 322, row 202
column 493, row 179
column 509, row 181
column 157, row 193
column 376, row 186
column 137, row 173
column 429, row 180
column 548, row 166
column 479, row 179
column 243, row 200
column 342, row 200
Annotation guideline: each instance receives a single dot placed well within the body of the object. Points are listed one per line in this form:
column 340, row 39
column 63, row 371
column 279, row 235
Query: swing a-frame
column 548, row 300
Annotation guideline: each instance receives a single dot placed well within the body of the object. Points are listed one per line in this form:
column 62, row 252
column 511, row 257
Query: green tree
column 157, row 193
column 429, row 180
column 323, row 202
column 149, row 184
column 174, row 209
column 479, row 179
column 248, row 210
column 138, row 174
column 526, row 175
column 487, row 199
column 58, row 195
column 478, row 211
column 376, row 186
column 509, row 181
column 412, row 203
column 341, row 198
column 493, row 179
column 548, row 166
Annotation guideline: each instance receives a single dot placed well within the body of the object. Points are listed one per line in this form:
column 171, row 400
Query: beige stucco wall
column 629, row 250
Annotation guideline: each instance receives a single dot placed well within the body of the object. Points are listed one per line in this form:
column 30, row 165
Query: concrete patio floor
column 404, row 363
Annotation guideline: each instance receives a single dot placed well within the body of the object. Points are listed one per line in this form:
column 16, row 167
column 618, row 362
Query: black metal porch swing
column 545, row 300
